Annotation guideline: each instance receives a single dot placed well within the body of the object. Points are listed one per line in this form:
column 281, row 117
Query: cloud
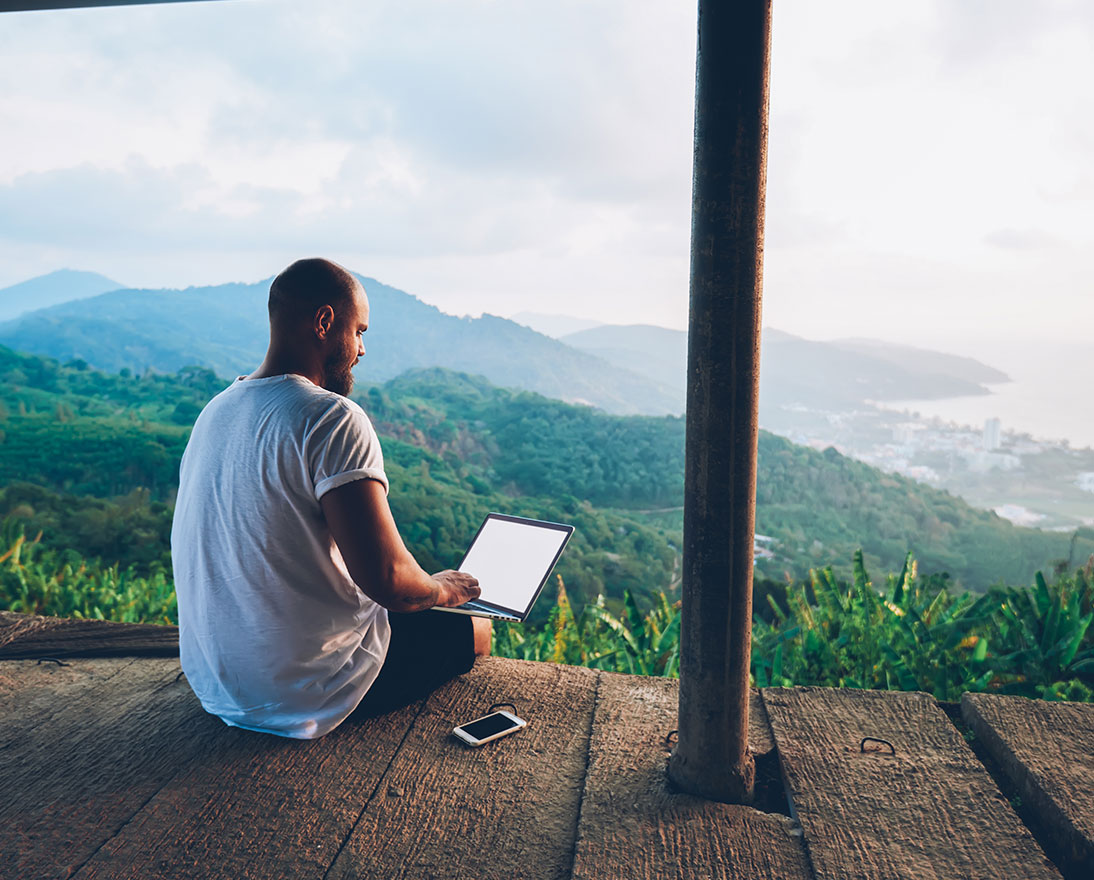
column 502, row 155
column 410, row 129
column 1021, row 239
column 973, row 34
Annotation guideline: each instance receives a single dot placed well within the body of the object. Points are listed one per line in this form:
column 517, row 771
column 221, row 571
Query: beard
column 338, row 373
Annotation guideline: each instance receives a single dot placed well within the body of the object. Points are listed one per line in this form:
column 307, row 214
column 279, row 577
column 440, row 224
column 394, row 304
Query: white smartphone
column 489, row 727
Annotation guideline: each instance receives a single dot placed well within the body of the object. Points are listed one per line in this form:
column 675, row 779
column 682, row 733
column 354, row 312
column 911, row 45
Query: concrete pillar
column 711, row 758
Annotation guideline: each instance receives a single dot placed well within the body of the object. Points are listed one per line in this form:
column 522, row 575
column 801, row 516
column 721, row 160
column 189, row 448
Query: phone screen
column 488, row 726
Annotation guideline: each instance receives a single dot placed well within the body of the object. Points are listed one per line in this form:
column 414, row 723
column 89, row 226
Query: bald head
column 318, row 315
column 306, row 286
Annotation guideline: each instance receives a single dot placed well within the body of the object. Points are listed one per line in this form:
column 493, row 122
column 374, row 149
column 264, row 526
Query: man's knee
column 484, row 629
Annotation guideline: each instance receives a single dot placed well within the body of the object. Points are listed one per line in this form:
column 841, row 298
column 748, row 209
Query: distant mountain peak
column 67, row 276
column 53, row 288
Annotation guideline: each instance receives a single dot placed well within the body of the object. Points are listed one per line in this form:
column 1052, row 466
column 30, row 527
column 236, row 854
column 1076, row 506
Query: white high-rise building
column 993, row 434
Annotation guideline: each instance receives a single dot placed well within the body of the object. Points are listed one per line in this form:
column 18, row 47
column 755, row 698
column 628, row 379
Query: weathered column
column 711, row 758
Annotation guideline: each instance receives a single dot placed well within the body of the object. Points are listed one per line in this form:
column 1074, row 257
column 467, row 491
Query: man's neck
column 280, row 363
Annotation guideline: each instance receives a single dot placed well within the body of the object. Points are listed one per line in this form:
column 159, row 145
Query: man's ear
column 324, row 321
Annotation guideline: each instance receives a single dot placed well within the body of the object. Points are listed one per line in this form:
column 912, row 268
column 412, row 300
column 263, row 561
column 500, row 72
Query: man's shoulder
column 332, row 405
column 321, row 411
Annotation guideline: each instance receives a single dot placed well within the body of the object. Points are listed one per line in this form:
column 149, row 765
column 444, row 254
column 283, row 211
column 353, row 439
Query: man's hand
column 455, row 588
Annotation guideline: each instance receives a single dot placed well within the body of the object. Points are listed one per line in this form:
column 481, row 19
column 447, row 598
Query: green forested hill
column 457, row 447
column 818, row 506
column 816, row 503
column 70, row 438
column 526, row 444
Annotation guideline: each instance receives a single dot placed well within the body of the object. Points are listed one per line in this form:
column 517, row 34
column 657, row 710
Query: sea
column 1051, row 395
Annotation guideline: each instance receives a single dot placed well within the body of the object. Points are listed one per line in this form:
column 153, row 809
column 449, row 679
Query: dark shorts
column 426, row 650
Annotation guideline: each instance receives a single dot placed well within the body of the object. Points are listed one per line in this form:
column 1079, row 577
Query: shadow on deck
column 111, row 769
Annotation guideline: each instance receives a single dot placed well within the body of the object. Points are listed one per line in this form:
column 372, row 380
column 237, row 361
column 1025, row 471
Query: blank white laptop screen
column 512, row 558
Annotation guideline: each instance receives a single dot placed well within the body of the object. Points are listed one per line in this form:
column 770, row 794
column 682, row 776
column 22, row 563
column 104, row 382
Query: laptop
column 512, row 557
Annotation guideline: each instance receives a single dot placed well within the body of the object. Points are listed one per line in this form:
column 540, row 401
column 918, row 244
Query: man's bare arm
column 360, row 521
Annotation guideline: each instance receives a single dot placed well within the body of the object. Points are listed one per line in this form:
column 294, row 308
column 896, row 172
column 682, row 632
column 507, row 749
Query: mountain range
column 224, row 328
column 634, row 369
column 797, row 372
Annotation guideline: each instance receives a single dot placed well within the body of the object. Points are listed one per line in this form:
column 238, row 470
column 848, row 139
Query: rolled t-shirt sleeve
column 343, row 447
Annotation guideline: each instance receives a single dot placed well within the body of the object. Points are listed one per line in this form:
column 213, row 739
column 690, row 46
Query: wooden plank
column 32, row 691
column 632, row 825
column 256, row 805
column 83, row 747
column 30, row 636
column 1047, row 751
column 929, row 811
column 508, row 809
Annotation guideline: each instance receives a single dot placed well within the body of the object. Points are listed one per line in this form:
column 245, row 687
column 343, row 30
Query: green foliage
column 81, row 431
column 912, row 634
column 527, row 444
column 639, row 644
column 89, row 464
column 131, row 530
column 1046, row 637
column 36, row 580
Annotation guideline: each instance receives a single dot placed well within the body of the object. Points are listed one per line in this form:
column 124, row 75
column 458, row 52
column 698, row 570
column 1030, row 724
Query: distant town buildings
column 904, row 433
column 993, row 434
column 1034, row 482
column 762, row 547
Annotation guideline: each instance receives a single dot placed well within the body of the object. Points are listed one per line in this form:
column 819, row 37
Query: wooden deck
column 109, row 768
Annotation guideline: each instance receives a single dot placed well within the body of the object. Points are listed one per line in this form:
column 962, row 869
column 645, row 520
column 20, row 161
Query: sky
column 929, row 173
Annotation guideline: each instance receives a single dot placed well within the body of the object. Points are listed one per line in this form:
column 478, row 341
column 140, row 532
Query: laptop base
column 476, row 610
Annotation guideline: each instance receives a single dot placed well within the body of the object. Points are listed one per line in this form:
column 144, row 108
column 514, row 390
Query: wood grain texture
column 1047, row 751
column 929, row 811
column 82, row 748
column 633, row 826
column 32, row 691
column 256, row 805
column 30, row 636
column 508, row 809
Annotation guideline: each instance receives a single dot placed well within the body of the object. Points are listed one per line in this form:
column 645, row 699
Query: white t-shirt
column 274, row 634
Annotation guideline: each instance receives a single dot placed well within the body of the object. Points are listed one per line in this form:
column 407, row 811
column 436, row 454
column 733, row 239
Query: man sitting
column 286, row 558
